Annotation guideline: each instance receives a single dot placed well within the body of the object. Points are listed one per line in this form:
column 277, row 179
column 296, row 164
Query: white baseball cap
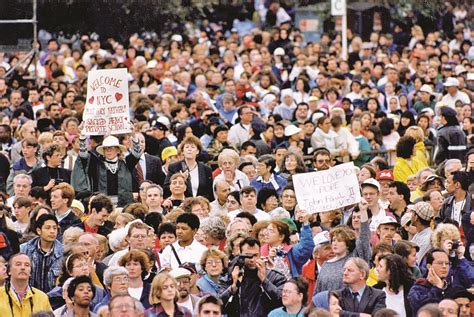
column 321, row 238
column 451, row 82
column 426, row 88
column 470, row 76
column 279, row 51
column 291, row 130
column 371, row 182
column 387, row 220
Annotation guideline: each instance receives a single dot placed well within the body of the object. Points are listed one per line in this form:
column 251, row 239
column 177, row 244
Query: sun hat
column 110, row 141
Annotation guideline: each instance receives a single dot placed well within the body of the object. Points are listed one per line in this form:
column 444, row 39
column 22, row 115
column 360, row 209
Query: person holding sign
column 344, row 245
column 107, row 171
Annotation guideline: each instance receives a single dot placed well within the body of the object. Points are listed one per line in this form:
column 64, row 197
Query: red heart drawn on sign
column 118, row 96
column 91, row 100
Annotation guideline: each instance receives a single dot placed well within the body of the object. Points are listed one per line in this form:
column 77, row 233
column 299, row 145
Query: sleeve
column 295, row 71
column 233, row 138
column 273, row 289
column 83, row 153
column 363, row 243
column 9, row 184
column 418, row 297
column 136, row 149
column 442, row 148
column 380, row 303
column 165, row 257
column 302, row 251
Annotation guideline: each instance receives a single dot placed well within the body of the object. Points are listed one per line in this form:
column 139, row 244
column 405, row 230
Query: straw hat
column 110, row 141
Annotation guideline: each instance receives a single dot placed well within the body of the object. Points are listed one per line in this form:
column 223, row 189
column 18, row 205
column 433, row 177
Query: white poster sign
column 338, row 7
column 107, row 104
column 327, row 190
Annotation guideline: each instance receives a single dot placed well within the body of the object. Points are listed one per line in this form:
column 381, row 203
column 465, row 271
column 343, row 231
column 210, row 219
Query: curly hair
column 442, row 232
column 400, row 274
column 215, row 253
column 346, row 234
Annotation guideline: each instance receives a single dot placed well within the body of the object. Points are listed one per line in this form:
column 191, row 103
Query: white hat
column 279, row 51
column 177, row 38
column 279, row 213
column 291, row 130
column 387, row 220
column 180, row 272
column 459, row 70
column 110, row 141
column 426, row 88
column 371, row 182
column 164, row 120
column 321, row 238
column 367, row 46
column 406, row 218
column 152, row 63
column 470, row 76
column 286, row 92
column 389, row 66
column 451, row 82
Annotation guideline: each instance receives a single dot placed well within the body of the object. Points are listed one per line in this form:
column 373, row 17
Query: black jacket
column 43, row 175
column 153, row 172
column 205, row 180
column 451, row 144
column 446, row 210
column 254, row 298
column 153, row 146
column 372, row 300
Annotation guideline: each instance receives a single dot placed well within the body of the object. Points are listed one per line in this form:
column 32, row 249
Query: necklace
column 111, row 166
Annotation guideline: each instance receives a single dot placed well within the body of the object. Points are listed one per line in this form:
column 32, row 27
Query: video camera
column 240, row 259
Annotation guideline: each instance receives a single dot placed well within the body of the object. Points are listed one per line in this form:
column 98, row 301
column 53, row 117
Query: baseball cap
column 367, row 46
column 423, row 210
column 177, row 38
column 168, row 152
column 447, row 67
column 406, row 218
column 314, row 98
column 389, row 66
column 279, row 51
column 426, row 88
column 384, row 175
column 459, row 69
column 292, row 130
column 180, row 272
column 387, row 220
column 371, row 182
column 321, row 238
column 451, row 82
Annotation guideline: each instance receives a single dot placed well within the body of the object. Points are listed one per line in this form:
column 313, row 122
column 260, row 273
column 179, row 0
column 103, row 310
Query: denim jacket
column 45, row 268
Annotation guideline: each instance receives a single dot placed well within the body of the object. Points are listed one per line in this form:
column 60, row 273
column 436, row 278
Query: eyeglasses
column 323, row 161
column 441, row 263
column 184, row 282
column 123, row 307
column 213, row 262
column 288, row 291
column 80, row 266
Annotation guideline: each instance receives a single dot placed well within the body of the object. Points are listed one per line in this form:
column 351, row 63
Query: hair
column 100, row 202
column 259, row 226
column 236, row 220
column 346, row 234
column 166, row 227
column 71, row 289
column 50, row 150
column 137, row 256
column 247, row 190
column 463, row 179
column 302, row 286
column 381, row 247
column 43, row 218
column 386, row 126
column 190, row 219
column 370, row 168
column 191, row 140
column 416, row 133
column 137, row 210
column 22, row 202
column 300, row 166
column 214, row 227
column 155, row 186
column 216, row 253
column 269, row 161
column 264, row 194
column 402, row 189
column 112, row 271
column 251, row 242
column 228, row 154
column 209, row 299
column 405, row 147
column 137, row 225
column 23, row 176
column 361, row 264
column 283, row 229
column 118, row 297
column 386, row 312
column 400, row 274
column 431, row 309
column 442, row 232
column 430, row 254
column 67, row 192
column 157, row 284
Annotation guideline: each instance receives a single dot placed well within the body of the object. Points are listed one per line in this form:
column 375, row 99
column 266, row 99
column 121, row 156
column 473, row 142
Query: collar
column 41, row 250
column 360, row 292
column 271, row 180
column 60, row 218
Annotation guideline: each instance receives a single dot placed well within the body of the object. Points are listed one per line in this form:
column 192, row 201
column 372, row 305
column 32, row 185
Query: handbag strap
column 176, row 254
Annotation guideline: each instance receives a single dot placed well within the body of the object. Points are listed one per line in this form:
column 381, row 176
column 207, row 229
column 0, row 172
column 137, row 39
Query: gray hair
column 228, row 154
column 214, row 227
column 233, row 222
column 23, row 176
column 154, row 186
column 361, row 264
column 420, row 172
column 112, row 271
column 449, row 163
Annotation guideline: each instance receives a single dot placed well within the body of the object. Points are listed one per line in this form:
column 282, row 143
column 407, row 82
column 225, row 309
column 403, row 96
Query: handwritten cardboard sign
column 107, row 105
column 327, row 190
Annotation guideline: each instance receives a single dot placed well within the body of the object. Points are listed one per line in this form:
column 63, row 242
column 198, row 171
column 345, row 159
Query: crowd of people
column 194, row 212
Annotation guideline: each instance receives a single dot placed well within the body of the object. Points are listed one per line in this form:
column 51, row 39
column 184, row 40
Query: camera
column 281, row 253
column 455, row 245
column 58, row 181
column 240, row 259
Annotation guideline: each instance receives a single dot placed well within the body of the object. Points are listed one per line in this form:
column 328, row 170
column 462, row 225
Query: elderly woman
column 407, row 164
column 288, row 259
column 228, row 162
column 116, row 280
column 106, row 170
column 137, row 264
column 294, row 298
column 345, row 244
column 77, row 264
column 214, row 263
column 164, row 297
column 198, row 176
column 447, row 237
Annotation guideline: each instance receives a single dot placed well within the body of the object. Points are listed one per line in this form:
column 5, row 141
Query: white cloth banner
column 327, row 190
column 107, row 105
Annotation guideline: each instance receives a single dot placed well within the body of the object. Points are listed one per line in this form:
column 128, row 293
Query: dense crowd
column 194, row 213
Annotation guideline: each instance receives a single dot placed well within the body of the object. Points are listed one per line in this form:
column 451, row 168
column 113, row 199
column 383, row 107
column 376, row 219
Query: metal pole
column 344, row 32
column 35, row 40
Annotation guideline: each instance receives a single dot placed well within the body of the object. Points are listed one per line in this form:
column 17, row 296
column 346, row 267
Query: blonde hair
column 215, row 253
column 443, row 232
column 45, row 138
column 156, row 287
column 416, row 133
column 228, row 154
column 71, row 235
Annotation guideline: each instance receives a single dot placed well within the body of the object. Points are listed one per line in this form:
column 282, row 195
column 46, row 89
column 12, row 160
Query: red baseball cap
column 385, row 175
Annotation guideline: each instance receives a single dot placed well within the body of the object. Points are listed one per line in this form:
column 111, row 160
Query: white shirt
column 238, row 134
column 187, row 304
column 117, row 256
column 135, row 292
column 240, row 180
column 451, row 100
column 194, row 173
column 396, row 301
column 259, row 214
column 191, row 253
column 457, row 208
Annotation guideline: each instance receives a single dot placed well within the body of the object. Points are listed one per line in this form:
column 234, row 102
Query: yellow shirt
column 420, row 153
column 373, row 278
column 33, row 298
column 404, row 168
